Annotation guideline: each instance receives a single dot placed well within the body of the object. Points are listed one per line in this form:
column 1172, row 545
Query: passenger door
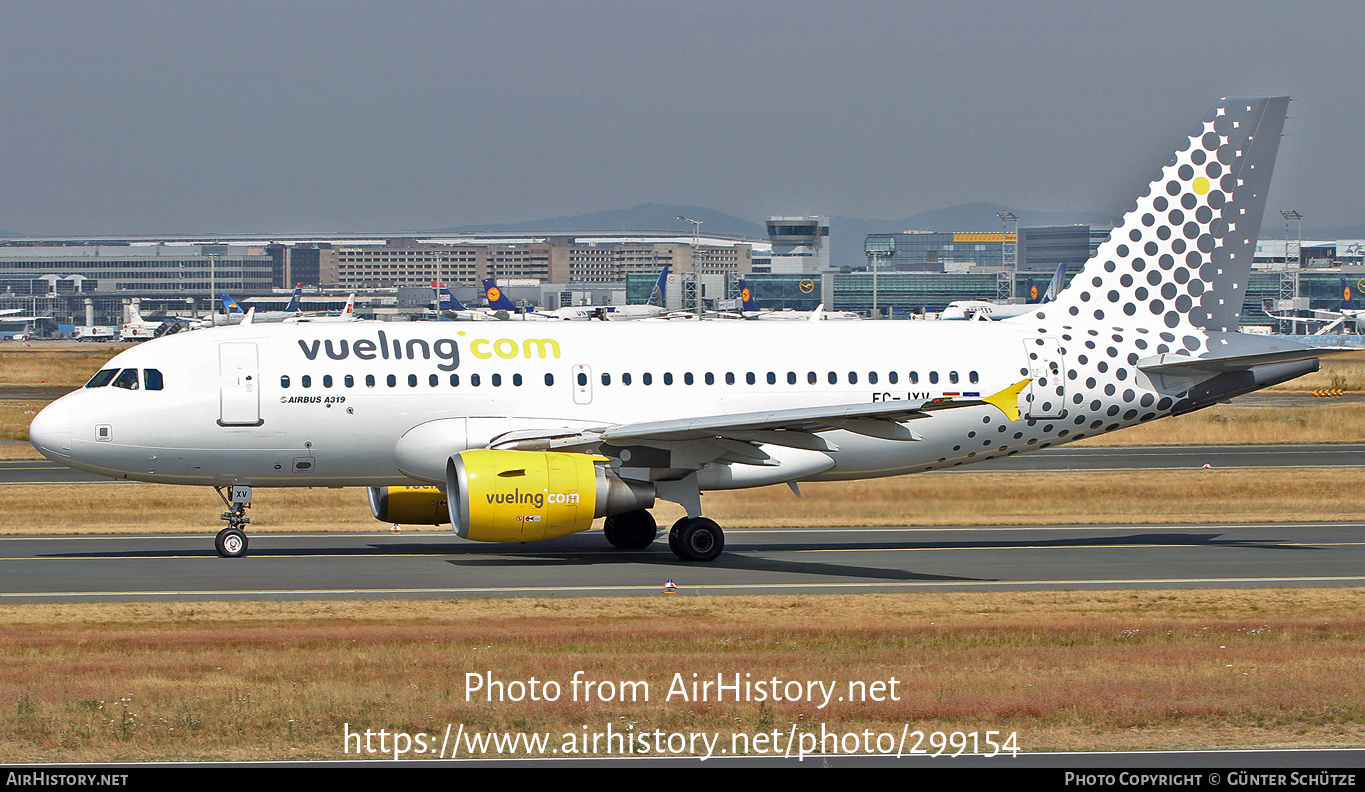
column 239, row 388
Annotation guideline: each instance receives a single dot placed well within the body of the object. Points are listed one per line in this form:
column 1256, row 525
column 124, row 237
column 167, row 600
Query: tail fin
column 495, row 297
column 1058, row 283
column 746, row 298
column 349, row 311
column 656, row 297
column 230, row 306
column 1347, row 304
column 1182, row 254
column 293, row 306
column 1032, row 291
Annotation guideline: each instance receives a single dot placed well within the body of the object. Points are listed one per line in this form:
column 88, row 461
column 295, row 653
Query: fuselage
column 329, row 405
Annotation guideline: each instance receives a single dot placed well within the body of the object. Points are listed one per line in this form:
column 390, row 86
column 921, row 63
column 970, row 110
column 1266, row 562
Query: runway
column 825, row 560
column 1047, row 460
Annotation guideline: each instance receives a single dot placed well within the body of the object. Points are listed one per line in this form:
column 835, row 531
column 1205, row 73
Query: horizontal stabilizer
column 1193, row 366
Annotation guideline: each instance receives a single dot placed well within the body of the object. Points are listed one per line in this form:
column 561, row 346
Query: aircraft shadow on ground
column 590, row 549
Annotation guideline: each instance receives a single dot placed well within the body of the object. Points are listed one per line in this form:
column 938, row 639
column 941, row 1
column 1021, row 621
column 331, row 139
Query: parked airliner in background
column 652, row 309
column 515, row 432
column 748, row 309
column 984, row 310
column 1324, row 320
column 234, row 312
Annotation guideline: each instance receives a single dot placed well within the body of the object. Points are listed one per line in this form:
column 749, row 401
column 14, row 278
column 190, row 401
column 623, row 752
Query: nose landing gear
column 231, row 542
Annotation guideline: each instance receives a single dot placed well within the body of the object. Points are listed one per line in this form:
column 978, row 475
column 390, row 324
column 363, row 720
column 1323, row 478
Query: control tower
column 800, row 244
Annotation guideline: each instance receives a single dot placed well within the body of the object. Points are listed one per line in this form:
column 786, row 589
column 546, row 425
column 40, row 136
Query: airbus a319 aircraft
column 527, row 431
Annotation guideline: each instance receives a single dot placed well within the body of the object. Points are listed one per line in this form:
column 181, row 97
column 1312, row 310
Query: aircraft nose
column 50, row 431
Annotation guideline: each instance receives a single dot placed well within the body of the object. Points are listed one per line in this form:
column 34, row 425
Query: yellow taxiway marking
column 700, row 587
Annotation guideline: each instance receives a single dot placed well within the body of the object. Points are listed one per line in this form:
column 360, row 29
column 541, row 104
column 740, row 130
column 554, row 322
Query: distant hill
column 644, row 217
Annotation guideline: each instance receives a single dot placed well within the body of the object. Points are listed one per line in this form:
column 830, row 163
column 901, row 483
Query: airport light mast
column 695, row 279
column 878, row 248
column 1009, row 257
column 1289, row 278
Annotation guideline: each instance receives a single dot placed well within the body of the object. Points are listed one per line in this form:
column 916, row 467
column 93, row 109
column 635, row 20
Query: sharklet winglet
column 1007, row 400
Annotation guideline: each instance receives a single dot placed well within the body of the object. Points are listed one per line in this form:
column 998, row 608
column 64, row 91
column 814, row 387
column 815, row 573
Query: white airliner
column 986, row 311
column 533, row 429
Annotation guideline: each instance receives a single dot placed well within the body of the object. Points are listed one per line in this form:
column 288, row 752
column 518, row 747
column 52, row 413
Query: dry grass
column 68, row 367
column 1065, row 670
column 966, row 498
column 1227, row 424
column 16, row 415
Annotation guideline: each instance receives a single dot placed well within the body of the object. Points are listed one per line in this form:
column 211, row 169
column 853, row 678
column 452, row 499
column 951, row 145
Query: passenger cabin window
column 516, row 380
column 687, row 378
column 101, row 378
column 668, row 378
column 454, row 380
column 872, row 377
column 647, row 378
column 952, row 377
column 392, row 380
column 933, row 377
column 625, row 378
column 369, row 380
column 914, row 378
column 550, row 379
column 350, row 381
column 126, row 379
column 892, row 377
column 306, row 381
column 326, row 380
column 151, row 379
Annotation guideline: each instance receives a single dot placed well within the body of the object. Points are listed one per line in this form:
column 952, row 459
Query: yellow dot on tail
column 1201, row 185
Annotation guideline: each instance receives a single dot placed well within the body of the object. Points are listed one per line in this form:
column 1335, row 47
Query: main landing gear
column 691, row 538
column 631, row 531
column 696, row 539
column 231, row 541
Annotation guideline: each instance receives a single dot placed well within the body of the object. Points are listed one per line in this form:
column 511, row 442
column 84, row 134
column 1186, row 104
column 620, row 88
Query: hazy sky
column 199, row 117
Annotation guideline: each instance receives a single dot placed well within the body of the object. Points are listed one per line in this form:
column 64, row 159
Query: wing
column 737, row 437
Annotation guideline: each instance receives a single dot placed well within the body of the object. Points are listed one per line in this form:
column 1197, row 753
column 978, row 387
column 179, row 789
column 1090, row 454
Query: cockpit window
column 151, row 379
column 101, row 378
column 126, row 379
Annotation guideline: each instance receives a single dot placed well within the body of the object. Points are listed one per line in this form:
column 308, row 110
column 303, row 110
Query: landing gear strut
column 231, row 542
column 631, row 531
column 696, row 539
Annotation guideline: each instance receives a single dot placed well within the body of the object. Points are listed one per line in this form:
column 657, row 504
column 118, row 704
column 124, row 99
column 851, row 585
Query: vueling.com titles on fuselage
column 446, row 349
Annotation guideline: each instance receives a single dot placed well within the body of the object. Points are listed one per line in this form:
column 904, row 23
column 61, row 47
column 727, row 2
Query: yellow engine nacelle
column 524, row 496
column 409, row 505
